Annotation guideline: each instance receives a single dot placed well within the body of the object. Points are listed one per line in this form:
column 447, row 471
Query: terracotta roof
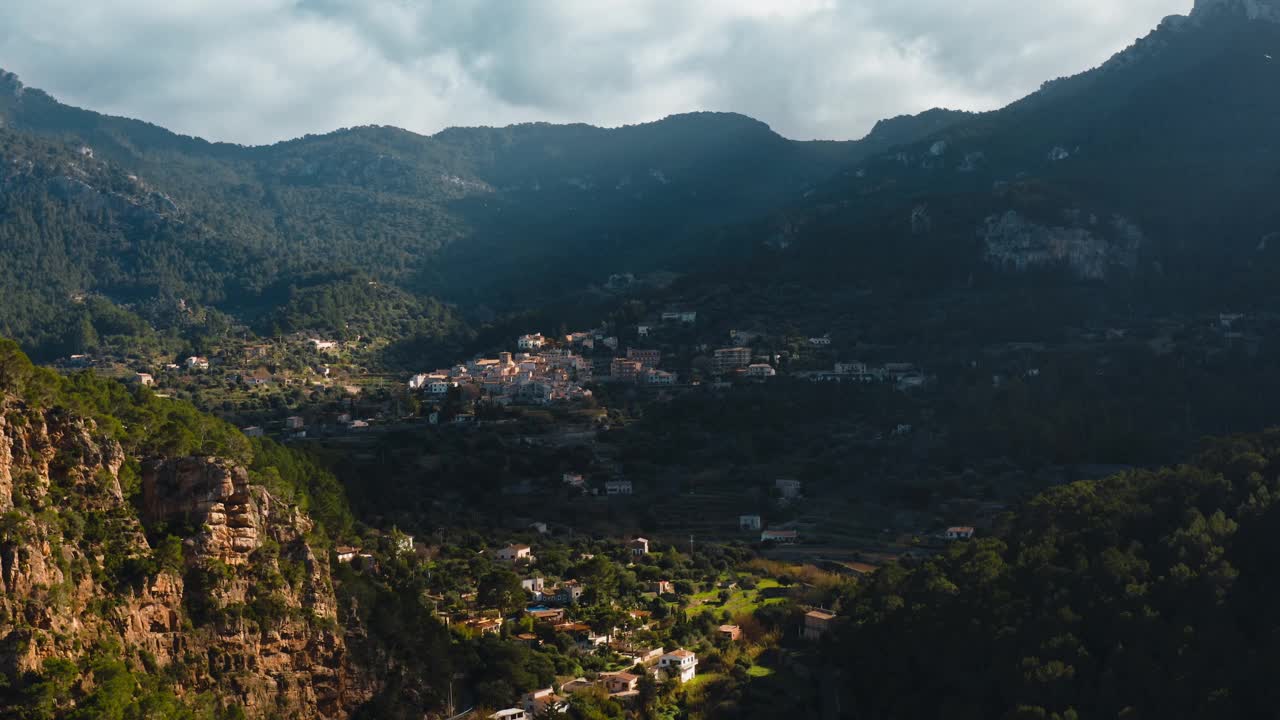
column 820, row 615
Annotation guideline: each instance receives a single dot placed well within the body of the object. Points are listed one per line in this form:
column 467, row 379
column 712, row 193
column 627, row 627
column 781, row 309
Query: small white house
column 749, row 522
column 514, row 554
column 958, row 533
column 639, row 546
column 761, row 371
column 510, row 714
column 679, row 664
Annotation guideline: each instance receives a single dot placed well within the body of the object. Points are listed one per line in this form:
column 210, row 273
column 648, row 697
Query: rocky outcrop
column 265, row 636
column 214, row 497
column 1088, row 247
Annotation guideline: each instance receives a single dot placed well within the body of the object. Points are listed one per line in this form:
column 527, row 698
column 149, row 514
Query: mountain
column 1147, row 179
column 1142, row 184
column 97, row 204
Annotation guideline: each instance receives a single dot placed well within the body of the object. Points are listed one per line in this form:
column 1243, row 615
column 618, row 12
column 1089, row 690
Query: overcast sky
column 256, row 71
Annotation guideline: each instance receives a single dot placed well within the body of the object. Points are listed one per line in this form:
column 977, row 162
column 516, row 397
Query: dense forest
column 1141, row 595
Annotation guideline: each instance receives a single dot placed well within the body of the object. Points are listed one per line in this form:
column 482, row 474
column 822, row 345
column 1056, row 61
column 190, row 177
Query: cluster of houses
column 554, row 611
column 537, row 376
column 640, row 366
column 680, row 665
column 740, row 362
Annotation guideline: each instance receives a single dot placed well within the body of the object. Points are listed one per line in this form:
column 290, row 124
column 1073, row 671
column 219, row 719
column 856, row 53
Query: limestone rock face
column 52, row 581
column 1091, row 248
column 215, row 498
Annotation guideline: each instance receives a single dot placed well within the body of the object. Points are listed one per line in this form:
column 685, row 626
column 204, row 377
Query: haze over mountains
column 1152, row 171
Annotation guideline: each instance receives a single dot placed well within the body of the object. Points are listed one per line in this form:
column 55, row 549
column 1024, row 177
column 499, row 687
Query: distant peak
column 1252, row 9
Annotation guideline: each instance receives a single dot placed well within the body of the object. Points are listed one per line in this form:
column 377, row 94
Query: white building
column 617, row 487
column 514, row 554
column 749, row 522
column 680, row 664
column 531, row 342
column 197, row 363
column 639, row 546
column 761, row 371
column 958, row 533
column 510, row 714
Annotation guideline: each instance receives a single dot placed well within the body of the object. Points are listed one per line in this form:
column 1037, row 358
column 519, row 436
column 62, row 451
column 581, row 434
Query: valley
column 680, row 420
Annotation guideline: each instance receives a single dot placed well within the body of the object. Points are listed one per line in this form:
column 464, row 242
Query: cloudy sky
column 256, row 71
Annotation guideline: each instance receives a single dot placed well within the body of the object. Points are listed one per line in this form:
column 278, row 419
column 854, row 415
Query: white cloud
column 263, row 70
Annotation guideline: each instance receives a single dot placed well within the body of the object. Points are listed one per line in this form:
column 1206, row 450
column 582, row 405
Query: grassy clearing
column 740, row 601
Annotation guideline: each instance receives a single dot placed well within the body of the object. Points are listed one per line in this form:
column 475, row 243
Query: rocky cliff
column 210, row 581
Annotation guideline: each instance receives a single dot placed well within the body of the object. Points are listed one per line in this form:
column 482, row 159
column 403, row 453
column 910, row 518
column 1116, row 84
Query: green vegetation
column 105, row 688
column 1142, row 593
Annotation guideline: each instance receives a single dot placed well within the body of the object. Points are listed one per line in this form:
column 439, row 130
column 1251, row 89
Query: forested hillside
column 500, row 218
column 1146, row 593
